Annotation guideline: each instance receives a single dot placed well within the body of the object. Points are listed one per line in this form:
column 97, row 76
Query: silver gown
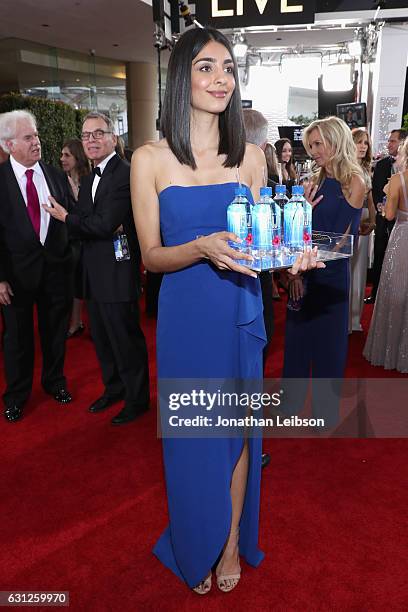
column 387, row 341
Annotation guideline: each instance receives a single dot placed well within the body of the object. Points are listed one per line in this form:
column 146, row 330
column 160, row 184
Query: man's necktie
column 33, row 203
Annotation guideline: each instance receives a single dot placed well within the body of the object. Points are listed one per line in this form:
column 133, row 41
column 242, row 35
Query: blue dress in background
column 210, row 325
column 316, row 337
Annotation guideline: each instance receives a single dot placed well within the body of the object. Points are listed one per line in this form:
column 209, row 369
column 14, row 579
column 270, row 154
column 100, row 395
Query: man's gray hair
column 256, row 127
column 96, row 115
column 8, row 125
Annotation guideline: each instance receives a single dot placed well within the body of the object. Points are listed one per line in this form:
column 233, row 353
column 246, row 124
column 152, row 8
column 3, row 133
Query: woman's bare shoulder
column 151, row 150
column 395, row 179
column 357, row 182
column 254, row 156
column 356, row 191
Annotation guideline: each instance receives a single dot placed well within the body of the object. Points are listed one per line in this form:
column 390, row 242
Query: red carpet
column 83, row 503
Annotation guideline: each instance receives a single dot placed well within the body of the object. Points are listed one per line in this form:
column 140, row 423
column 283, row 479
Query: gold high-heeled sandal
column 228, row 582
column 204, row 586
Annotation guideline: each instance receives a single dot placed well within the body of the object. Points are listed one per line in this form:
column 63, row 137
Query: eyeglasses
column 96, row 134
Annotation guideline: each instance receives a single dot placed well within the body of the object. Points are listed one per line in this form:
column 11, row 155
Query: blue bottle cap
column 240, row 191
column 266, row 191
column 298, row 190
column 281, row 189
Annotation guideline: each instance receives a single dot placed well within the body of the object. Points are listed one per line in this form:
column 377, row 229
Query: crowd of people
column 81, row 234
column 67, row 237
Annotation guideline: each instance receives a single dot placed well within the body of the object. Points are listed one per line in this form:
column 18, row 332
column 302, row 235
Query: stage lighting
column 354, row 48
column 240, row 45
column 337, row 77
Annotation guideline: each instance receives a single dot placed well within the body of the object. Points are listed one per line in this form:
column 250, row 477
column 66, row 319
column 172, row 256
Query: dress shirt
column 97, row 178
column 41, row 187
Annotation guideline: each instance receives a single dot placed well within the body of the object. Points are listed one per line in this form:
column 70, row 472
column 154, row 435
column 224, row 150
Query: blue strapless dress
column 210, row 325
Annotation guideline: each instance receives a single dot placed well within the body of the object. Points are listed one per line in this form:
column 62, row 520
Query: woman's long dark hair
column 290, row 165
column 175, row 120
column 77, row 150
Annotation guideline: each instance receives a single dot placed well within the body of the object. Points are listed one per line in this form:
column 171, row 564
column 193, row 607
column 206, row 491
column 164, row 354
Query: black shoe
column 128, row 414
column 104, row 402
column 62, row 396
column 265, row 459
column 12, row 413
column 369, row 300
column 76, row 332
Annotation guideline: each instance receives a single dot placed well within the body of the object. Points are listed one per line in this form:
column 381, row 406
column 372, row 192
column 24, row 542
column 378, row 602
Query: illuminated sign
column 247, row 13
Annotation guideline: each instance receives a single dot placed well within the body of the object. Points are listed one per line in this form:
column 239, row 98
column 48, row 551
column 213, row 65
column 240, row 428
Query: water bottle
column 297, row 221
column 293, row 221
column 278, row 206
column 307, row 218
column 239, row 222
column 262, row 229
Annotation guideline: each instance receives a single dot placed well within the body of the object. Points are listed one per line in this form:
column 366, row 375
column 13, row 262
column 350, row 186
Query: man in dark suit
column 35, row 265
column 383, row 170
column 103, row 221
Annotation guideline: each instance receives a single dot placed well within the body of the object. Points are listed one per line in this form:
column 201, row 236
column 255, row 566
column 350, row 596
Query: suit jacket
column 382, row 173
column 95, row 223
column 25, row 263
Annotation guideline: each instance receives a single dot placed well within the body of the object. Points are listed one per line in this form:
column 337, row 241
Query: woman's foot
column 229, row 570
column 204, row 586
column 76, row 331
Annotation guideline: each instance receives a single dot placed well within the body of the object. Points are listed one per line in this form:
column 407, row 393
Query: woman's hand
column 6, row 293
column 306, row 261
column 55, row 210
column 366, row 227
column 215, row 247
column 296, row 287
column 310, row 193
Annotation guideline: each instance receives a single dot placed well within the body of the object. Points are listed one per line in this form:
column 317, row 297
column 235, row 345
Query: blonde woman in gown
column 387, row 341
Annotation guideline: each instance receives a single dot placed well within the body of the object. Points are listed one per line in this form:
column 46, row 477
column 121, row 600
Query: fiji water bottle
column 239, row 222
column 262, row 230
column 293, row 221
column 278, row 206
column 307, row 218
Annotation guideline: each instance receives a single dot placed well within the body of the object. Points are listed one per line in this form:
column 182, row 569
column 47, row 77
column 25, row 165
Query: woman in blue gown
column 210, row 322
column 317, row 332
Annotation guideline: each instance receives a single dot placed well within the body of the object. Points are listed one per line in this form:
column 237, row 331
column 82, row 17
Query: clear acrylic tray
column 330, row 247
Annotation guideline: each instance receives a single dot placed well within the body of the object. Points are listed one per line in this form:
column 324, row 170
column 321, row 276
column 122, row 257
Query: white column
column 389, row 83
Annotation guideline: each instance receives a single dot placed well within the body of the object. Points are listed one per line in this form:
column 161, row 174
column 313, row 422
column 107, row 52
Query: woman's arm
column 367, row 226
column 356, row 192
column 371, row 208
column 393, row 195
column 157, row 258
